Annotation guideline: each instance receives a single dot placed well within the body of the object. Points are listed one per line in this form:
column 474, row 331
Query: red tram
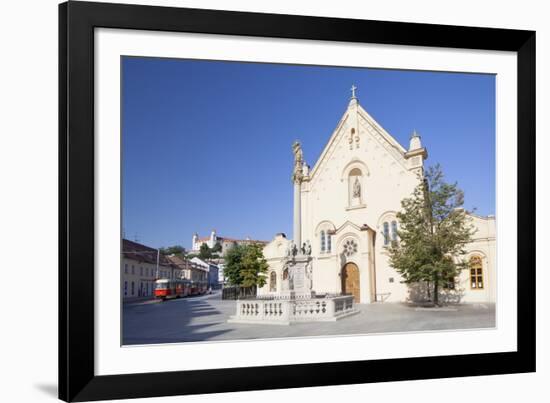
column 167, row 289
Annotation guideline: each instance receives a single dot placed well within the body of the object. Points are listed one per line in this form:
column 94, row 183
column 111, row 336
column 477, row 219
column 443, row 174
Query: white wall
column 28, row 206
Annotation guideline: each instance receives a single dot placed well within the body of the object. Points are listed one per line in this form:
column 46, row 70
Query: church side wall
column 389, row 287
column 484, row 246
column 274, row 253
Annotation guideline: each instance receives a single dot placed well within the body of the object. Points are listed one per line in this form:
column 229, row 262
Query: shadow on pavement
column 173, row 321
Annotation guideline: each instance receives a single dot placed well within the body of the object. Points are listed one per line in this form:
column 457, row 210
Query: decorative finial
column 353, row 88
column 415, row 142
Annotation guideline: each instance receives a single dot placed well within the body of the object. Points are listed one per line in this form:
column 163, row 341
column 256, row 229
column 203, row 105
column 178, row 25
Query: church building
column 346, row 210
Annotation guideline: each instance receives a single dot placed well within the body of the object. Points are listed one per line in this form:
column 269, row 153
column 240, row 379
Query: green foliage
column 245, row 265
column 217, row 248
column 205, row 252
column 433, row 231
column 173, row 250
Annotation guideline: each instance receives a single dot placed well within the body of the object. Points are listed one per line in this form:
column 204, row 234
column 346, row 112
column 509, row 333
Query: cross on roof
column 353, row 88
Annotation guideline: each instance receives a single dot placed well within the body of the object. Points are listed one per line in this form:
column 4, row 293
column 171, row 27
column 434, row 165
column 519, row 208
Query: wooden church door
column 350, row 281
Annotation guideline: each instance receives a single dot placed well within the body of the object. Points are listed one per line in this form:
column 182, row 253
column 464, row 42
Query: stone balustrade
column 286, row 311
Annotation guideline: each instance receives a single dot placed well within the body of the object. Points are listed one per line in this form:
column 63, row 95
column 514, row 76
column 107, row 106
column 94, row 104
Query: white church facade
column 347, row 206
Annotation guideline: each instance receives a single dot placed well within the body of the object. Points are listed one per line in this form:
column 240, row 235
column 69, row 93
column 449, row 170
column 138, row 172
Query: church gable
column 372, row 129
column 357, row 137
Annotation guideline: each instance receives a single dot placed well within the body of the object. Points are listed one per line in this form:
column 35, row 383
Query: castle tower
column 213, row 238
column 194, row 242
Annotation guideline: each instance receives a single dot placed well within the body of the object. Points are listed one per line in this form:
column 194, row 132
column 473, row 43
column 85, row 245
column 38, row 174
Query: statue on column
column 298, row 173
column 288, row 251
column 294, row 249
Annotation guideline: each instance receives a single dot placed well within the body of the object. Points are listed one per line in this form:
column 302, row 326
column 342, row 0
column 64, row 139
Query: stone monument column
column 297, row 177
column 297, row 229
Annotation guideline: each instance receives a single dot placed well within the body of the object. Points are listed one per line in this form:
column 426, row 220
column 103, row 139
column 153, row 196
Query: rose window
column 350, row 247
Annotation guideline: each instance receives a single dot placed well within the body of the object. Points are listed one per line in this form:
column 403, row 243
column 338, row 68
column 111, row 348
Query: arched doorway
column 350, row 281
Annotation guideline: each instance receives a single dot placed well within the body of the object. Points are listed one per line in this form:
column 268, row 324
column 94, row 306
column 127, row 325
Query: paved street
column 204, row 318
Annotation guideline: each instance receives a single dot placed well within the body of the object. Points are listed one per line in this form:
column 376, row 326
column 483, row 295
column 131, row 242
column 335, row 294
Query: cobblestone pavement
column 204, row 318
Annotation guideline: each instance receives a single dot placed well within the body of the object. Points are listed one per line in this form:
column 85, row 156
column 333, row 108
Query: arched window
column 273, row 281
column 476, row 273
column 394, row 230
column 386, row 234
column 323, row 242
column 329, row 242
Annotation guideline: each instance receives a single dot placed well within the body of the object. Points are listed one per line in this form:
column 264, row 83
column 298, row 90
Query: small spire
column 415, row 142
column 353, row 88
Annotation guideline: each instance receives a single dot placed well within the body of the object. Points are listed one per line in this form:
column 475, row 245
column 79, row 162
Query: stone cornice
column 419, row 151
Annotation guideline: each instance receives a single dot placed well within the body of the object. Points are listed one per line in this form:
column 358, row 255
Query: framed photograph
column 258, row 201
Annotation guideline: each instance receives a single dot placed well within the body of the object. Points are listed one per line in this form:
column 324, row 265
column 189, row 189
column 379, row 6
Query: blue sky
column 207, row 144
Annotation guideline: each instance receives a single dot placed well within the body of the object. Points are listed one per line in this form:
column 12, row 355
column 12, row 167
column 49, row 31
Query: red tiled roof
column 142, row 253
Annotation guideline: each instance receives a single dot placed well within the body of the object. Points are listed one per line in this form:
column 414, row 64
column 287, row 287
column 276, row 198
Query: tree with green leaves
column 245, row 266
column 173, row 250
column 217, row 248
column 205, row 252
column 433, row 231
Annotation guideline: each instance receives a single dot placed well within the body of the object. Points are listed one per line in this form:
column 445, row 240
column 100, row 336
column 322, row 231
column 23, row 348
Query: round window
column 350, row 247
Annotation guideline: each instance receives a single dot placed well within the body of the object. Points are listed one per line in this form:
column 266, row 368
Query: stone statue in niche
column 357, row 188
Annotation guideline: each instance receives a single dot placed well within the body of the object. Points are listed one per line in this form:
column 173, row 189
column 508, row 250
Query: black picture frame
column 77, row 21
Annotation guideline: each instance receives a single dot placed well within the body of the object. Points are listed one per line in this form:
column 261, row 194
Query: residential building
column 139, row 270
column 212, row 269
